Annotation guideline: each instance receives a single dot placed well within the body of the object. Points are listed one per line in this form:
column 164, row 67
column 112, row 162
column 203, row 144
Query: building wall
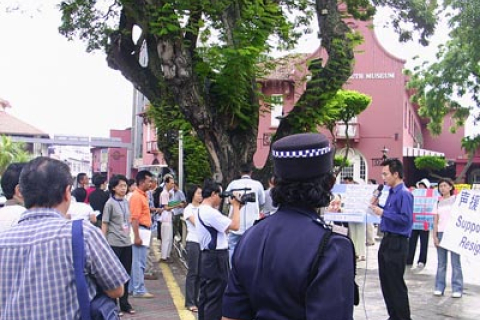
column 447, row 142
column 390, row 122
column 117, row 157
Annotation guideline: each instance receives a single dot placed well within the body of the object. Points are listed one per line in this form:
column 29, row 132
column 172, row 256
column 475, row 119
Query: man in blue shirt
column 396, row 224
column 37, row 275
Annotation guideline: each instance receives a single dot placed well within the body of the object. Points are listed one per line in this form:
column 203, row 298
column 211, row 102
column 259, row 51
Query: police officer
column 291, row 265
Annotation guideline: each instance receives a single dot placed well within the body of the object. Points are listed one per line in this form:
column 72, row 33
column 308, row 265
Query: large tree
column 203, row 57
column 452, row 82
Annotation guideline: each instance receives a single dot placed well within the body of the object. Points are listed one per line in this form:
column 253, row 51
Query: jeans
column 139, row 257
column 192, row 281
column 457, row 276
column 232, row 243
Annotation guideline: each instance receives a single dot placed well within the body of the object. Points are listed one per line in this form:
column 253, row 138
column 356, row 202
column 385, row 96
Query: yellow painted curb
column 176, row 293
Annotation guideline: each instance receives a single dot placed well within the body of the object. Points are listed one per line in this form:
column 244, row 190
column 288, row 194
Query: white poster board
column 462, row 232
column 355, row 203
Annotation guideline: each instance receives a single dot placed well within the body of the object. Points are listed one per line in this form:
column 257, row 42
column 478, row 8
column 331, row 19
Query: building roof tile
column 11, row 126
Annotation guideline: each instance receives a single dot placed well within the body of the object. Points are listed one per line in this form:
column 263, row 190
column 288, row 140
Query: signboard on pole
column 424, row 205
column 462, row 233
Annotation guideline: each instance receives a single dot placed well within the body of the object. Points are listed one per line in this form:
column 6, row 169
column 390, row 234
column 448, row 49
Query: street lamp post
column 384, row 152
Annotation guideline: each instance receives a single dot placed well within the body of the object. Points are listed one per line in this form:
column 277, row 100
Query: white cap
column 423, row 181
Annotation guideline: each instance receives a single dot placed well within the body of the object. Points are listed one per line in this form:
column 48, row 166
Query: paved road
column 168, row 303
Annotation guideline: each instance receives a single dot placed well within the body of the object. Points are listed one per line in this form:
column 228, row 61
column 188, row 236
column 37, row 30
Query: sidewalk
column 423, row 304
column 168, row 303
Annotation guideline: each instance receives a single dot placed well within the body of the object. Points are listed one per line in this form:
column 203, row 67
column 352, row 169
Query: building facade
column 390, row 126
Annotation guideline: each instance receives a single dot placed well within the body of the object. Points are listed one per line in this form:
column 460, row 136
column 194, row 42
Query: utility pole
column 180, row 159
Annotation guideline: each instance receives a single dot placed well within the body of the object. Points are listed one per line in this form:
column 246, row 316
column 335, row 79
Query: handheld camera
column 240, row 194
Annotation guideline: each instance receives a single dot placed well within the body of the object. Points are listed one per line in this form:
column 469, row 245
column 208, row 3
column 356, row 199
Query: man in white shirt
column 10, row 213
column 251, row 210
column 211, row 227
column 167, row 218
column 81, row 211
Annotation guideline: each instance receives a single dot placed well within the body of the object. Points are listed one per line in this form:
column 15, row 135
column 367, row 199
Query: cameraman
column 211, row 226
column 251, row 210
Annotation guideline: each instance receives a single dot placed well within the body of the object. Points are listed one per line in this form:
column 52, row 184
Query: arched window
column 358, row 168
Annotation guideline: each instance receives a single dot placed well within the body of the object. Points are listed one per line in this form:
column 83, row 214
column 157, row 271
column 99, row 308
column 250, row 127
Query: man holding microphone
column 396, row 224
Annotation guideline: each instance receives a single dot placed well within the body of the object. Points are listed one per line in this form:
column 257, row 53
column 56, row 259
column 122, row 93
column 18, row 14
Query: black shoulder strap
column 213, row 233
column 319, row 255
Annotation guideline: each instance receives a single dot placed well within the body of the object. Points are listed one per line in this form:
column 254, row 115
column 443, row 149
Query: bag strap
column 78, row 251
column 319, row 255
column 213, row 233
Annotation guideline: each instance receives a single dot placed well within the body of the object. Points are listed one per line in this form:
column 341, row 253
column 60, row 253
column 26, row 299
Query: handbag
column 101, row 307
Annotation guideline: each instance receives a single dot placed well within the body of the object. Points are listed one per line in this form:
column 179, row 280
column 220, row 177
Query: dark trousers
column 192, row 281
column 124, row 254
column 412, row 245
column 213, row 281
column 177, row 225
column 392, row 256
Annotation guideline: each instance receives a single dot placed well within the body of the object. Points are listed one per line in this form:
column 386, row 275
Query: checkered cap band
column 297, row 154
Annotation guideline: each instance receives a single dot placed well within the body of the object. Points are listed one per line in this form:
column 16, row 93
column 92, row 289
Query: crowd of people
column 263, row 259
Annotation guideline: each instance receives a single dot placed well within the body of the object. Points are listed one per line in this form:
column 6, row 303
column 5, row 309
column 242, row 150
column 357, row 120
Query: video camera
column 240, row 194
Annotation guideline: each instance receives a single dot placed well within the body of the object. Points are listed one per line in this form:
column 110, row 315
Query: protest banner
column 462, row 232
column 355, row 203
column 424, row 204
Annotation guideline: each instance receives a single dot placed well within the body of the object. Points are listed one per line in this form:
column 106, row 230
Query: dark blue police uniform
column 269, row 278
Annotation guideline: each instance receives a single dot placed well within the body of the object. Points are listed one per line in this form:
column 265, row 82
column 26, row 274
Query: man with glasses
column 211, row 226
column 396, row 225
column 141, row 222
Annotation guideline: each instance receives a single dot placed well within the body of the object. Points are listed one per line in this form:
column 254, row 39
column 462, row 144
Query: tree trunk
column 169, row 78
column 326, row 79
column 465, row 169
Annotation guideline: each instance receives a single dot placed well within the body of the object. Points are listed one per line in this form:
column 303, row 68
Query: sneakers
column 456, row 295
column 145, row 295
column 437, row 293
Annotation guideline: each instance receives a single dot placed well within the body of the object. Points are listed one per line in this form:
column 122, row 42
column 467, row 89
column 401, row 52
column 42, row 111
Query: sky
column 56, row 86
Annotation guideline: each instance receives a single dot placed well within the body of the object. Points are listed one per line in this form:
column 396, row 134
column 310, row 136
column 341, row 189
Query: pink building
column 390, row 125
column 111, row 161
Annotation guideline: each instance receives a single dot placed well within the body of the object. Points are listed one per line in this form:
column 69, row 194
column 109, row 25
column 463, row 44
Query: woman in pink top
column 444, row 208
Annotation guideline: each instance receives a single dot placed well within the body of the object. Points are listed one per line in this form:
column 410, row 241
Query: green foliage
column 412, row 15
column 11, row 152
column 451, row 83
column 471, row 144
column 341, row 161
column 168, row 120
column 430, row 163
column 344, row 106
column 204, row 59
